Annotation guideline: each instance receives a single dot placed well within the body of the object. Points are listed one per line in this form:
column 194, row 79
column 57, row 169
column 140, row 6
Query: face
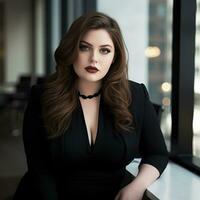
column 96, row 50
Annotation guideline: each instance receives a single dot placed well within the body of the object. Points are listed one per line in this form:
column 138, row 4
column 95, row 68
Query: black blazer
column 48, row 158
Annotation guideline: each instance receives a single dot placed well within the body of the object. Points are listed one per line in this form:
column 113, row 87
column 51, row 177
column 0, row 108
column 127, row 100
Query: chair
column 4, row 98
column 40, row 80
column 18, row 102
column 159, row 109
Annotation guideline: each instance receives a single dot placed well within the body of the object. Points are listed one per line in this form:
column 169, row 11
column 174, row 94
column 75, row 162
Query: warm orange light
column 166, row 101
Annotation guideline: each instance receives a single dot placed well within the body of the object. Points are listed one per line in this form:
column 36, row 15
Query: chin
column 92, row 79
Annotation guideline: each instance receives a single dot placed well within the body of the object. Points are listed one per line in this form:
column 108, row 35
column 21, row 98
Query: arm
column 152, row 148
column 135, row 190
column 145, row 177
column 153, row 152
column 152, row 145
column 36, row 149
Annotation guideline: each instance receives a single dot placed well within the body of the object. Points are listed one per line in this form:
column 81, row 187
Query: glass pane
column 147, row 30
column 196, row 117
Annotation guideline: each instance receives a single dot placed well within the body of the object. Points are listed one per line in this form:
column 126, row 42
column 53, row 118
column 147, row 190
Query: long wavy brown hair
column 60, row 97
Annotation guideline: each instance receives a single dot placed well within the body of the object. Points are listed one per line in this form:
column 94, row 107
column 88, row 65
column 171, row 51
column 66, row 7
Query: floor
column 12, row 157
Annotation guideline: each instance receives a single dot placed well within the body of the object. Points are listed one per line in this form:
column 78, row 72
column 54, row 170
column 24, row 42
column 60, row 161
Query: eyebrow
column 82, row 41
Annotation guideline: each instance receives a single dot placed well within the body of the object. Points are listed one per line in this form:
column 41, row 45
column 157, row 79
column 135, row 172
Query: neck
column 88, row 88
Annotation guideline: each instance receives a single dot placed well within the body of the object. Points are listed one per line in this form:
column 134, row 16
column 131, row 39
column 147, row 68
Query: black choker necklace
column 89, row 96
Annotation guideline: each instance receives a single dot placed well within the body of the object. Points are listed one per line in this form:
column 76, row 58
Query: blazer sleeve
column 36, row 151
column 152, row 146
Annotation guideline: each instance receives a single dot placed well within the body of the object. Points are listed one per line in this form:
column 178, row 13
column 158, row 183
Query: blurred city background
column 30, row 31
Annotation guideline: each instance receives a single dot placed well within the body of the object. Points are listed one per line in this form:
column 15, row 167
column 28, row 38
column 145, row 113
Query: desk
column 176, row 183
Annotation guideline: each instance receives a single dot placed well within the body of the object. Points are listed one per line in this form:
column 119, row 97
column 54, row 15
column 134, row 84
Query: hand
column 130, row 192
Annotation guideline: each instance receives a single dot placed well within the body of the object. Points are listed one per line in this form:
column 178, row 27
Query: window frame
column 183, row 68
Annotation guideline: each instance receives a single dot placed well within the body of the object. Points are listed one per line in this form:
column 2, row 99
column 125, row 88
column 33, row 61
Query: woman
column 88, row 121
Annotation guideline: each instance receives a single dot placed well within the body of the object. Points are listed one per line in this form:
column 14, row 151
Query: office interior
column 163, row 43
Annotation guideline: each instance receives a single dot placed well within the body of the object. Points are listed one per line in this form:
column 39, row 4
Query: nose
column 94, row 56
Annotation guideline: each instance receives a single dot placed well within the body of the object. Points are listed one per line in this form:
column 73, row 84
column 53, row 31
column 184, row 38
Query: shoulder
column 137, row 89
column 139, row 96
column 134, row 85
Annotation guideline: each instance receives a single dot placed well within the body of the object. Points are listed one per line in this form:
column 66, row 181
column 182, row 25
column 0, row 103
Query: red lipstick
column 91, row 69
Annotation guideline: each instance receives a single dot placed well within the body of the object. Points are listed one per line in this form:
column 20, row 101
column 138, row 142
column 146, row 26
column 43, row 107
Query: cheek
column 107, row 62
column 106, row 65
column 79, row 62
column 82, row 57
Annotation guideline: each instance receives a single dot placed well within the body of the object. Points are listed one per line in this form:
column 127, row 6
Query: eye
column 83, row 47
column 105, row 50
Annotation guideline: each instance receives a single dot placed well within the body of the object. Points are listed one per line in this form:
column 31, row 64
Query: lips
column 91, row 69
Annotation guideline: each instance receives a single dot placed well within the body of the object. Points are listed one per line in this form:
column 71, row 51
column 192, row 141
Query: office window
column 147, row 30
column 2, row 39
column 196, row 116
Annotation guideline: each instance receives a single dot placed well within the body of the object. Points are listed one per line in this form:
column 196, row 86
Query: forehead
column 98, row 37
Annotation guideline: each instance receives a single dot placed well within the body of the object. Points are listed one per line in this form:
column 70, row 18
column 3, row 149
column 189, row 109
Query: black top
column 67, row 167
